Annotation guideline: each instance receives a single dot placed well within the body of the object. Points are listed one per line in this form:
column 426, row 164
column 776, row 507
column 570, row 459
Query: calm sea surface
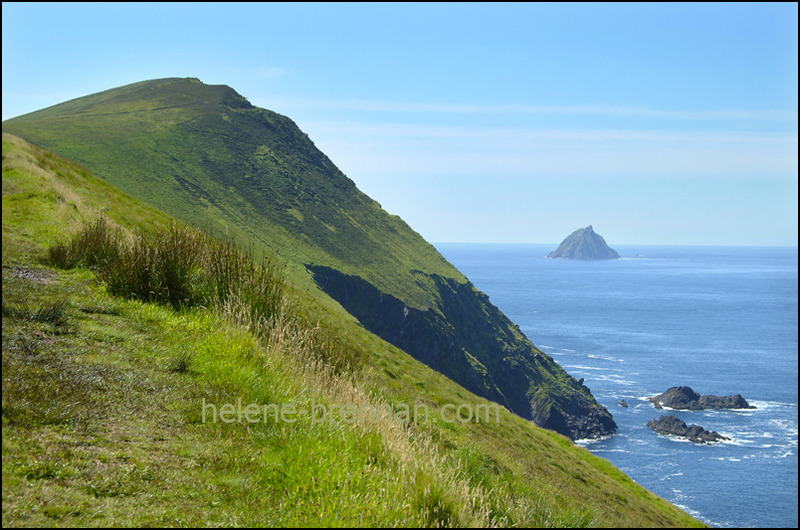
column 721, row 320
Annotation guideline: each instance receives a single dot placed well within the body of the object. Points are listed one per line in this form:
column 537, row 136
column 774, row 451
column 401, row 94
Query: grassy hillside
column 103, row 403
column 206, row 156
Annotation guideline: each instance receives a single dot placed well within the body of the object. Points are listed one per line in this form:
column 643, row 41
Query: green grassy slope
column 203, row 154
column 206, row 156
column 102, row 413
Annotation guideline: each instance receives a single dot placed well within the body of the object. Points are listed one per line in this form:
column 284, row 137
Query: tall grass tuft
column 179, row 266
column 92, row 247
column 175, row 257
column 249, row 291
column 132, row 274
column 183, row 267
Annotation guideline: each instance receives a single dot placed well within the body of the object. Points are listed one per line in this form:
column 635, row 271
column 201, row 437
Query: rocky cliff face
column 584, row 244
column 473, row 343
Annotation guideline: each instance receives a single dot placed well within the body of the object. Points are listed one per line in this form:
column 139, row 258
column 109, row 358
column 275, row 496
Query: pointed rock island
column 584, row 244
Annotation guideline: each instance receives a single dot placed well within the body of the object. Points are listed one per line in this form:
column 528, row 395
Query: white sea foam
column 675, row 438
column 612, row 359
column 766, row 405
column 737, row 440
column 762, row 405
column 581, row 367
column 694, row 513
column 555, row 350
column 787, row 426
column 743, row 412
column 615, row 379
column 583, row 442
column 727, row 458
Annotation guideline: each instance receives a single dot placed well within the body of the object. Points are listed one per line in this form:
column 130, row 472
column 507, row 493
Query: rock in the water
column 672, row 425
column 678, row 397
column 735, row 401
column 684, row 398
column 623, row 403
column 584, row 244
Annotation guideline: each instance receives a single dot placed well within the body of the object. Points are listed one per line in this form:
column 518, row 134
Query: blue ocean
column 722, row 320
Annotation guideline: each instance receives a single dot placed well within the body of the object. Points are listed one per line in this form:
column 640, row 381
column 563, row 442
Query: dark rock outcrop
column 673, row 425
column 473, row 343
column 623, row 403
column 576, row 417
column 735, row 401
column 678, row 397
column 684, row 398
column 584, row 244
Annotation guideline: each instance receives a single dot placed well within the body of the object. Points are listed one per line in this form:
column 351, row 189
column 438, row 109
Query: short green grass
column 102, row 413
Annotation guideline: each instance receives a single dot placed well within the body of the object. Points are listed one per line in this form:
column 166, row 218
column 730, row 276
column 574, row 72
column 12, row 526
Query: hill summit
column 205, row 155
column 584, row 244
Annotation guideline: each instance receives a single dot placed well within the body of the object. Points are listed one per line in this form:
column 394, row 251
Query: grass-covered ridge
column 203, row 154
column 206, row 156
column 102, row 404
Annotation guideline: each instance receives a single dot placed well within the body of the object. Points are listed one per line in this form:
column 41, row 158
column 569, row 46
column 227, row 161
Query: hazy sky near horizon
column 655, row 123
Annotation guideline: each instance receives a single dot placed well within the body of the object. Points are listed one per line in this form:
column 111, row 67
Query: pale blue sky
column 655, row 123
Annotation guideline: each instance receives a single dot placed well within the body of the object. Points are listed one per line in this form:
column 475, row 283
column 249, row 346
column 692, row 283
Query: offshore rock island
column 584, row 244
column 694, row 433
column 683, row 397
